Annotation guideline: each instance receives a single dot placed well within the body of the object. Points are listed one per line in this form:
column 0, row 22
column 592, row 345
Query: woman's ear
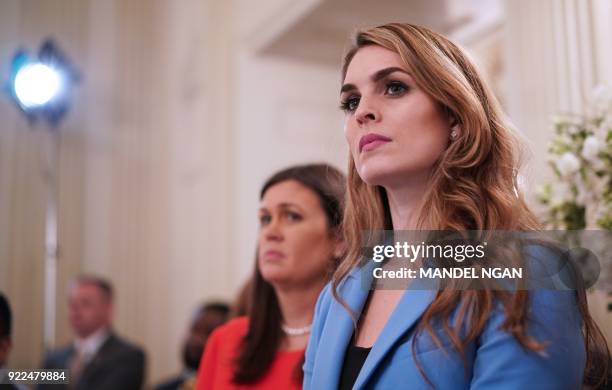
column 455, row 128
column 340, row 246
column 454, row 124
column 340, row 250
column 455, row 132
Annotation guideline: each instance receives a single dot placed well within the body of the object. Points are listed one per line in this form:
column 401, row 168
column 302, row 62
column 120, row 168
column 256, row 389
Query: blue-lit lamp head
column 41, row 86
column 37, row 84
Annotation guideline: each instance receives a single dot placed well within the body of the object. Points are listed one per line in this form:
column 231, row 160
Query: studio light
column 37, row 84
column 41, row 86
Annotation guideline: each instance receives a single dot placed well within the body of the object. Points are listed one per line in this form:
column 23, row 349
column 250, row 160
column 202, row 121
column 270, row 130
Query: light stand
column 41, row 88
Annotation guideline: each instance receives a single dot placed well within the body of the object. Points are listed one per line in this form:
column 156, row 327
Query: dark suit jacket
column 177, row 382
column 118, row 365
column 171, row 384
column 8, row 386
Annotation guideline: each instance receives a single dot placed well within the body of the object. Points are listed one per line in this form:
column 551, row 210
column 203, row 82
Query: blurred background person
column 98, row 358
column 6, row 325
column 5, row 330
column 206, row 319
column 299, row 245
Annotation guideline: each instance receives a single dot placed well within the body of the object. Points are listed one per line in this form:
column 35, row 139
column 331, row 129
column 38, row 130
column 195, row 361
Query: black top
column 353, row 361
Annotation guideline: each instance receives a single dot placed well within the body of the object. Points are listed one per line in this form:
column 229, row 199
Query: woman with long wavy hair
column 299, row 246
column 431, row 150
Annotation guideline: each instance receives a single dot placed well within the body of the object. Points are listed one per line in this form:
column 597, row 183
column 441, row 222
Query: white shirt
column 88, row 347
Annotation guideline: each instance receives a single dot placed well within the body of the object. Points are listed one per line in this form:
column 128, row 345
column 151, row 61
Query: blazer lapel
column 340, row 327
column 97, row 359
column 411, row 306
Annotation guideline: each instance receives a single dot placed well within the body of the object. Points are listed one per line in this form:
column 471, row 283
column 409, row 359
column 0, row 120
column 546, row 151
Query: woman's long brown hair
column 264, row 336
column 473, row 186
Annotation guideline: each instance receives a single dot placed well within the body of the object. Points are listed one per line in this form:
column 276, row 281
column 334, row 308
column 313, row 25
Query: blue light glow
column 37, row 84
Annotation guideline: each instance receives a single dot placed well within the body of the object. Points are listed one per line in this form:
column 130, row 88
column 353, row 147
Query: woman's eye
column 264, row 219
column 395, row 88
column 350, row 104
column 294, row 216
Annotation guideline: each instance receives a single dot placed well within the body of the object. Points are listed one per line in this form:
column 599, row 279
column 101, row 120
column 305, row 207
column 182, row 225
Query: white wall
column 287, row 113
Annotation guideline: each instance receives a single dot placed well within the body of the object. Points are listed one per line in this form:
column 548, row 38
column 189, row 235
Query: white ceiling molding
column 319, row 30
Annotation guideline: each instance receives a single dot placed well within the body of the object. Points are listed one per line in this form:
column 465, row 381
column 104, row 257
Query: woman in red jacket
column 299, row 245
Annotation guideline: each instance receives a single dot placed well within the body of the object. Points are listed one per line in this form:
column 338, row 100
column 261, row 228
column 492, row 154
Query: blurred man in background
column 208, row 317
column 98, row 358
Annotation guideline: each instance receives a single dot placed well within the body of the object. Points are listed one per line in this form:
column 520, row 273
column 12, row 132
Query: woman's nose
column 273, row 231
column 366, row 112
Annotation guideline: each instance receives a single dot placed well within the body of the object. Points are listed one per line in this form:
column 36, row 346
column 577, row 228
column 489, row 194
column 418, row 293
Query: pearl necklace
column 296, row 331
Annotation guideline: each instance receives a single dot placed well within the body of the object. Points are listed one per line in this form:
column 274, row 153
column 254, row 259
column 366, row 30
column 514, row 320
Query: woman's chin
column 275, row 276
column 389, row 175
column 376, row 175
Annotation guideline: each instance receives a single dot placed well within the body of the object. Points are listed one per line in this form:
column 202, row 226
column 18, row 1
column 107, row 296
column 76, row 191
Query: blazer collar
column 99, row 357
column 402, row 320
column 340, row 326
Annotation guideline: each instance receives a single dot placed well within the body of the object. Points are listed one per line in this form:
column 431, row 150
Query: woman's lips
column 273, row 255
column 371, row 141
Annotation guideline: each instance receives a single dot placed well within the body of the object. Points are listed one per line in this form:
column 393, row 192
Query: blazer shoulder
column 238, row 324
column 324, row 302
column 232, row 331
column 123, row 343
column 58, row 358
column 326, row 296
column 118, row 346
column 321, row 312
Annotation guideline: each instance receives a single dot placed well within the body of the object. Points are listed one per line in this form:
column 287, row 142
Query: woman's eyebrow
column 283, row 205
column 288, row 205
column 347, row 87
column 381, row 74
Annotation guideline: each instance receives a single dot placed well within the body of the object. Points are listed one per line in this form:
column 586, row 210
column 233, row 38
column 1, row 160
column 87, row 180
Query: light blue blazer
column 495, row 360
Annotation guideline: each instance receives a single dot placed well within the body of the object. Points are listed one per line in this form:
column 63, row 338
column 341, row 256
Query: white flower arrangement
column 581, row 158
